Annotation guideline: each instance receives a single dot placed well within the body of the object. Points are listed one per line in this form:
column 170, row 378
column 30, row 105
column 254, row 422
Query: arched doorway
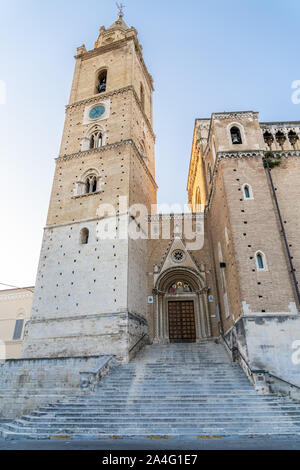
column 180, row 307
column 181, row 312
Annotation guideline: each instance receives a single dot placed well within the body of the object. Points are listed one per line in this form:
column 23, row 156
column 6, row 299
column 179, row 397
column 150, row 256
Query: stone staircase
column 171, row 390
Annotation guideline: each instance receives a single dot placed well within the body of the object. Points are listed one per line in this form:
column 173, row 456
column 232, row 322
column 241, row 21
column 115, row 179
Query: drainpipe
column 283, row 231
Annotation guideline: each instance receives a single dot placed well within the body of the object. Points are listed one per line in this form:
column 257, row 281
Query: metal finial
column 120, row 7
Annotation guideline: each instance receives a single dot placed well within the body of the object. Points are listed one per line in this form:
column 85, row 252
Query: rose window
column 178, row 256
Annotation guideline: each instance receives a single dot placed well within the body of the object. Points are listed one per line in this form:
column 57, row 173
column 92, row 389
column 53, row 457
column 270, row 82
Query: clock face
column 96, row 112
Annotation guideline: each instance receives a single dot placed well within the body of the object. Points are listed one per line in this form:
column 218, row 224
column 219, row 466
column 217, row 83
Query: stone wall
column 268, row 343
column 86, row 335
column 285, row 178
column 30, row 383
column 271, row 344
column 223, row 250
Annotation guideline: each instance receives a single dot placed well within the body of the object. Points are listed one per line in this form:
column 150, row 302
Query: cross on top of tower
column 120, row 7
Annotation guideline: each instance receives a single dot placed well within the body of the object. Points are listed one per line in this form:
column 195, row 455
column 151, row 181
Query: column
column 198, row 320
column 156, row 318
column 204, row 295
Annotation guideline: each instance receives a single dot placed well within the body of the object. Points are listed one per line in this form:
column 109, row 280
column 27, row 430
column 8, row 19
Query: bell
column 102, row 87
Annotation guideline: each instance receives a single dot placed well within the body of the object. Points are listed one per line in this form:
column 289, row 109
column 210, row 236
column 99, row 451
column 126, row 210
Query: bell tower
column 91, row 294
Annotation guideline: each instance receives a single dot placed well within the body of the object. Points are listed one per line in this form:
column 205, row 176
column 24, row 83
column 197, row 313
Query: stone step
column 207, row 428
column 206, row 394
column 153, row 433
column 158, row 425
column 141, row 408
column 166, row 390
column 198, row 418
column 165, row 403
column 193, row 401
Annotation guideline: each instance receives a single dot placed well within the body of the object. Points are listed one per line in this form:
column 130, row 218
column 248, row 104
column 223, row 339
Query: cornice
column 109, row 147
column 151, row 218
column 281, row 123
column 273, row 127
column 15, row 296
column 241, row 154
column 184, row 215
column 38, row 319
column 257, row 154
column 234, row 114
column 96, row 98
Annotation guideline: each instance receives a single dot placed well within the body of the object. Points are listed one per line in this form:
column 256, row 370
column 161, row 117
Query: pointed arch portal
column 180, row 307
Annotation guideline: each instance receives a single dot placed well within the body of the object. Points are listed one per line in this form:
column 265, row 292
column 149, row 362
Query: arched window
column 247, row 190
column 293, row 137
column 261, row 263
column 100, row 140
column 179, row 287
column 236, row 137
column 142, row 96
column 96, row 140
column 269, row 139
column 102, row 78
column 92, row 142
column 91, row 184
column 84, row 236
column 280, row 138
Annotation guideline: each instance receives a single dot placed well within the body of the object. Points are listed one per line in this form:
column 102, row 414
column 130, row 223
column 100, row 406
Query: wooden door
column 182, row 328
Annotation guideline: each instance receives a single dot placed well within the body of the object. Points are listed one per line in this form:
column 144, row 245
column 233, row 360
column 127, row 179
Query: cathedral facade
column 114, row 275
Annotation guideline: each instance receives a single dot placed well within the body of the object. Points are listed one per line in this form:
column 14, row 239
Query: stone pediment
column 177, row 256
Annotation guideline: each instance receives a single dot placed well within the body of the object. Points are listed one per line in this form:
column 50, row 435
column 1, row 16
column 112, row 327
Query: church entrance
column 182, row 327
column 181, row 313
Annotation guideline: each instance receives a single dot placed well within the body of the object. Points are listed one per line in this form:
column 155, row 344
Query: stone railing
column 89, row 379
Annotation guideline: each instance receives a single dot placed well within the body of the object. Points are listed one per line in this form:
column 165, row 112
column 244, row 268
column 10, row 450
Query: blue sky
column 204, row 57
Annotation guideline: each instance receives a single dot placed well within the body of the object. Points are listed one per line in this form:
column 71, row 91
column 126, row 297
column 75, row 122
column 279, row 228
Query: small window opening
column 92, row 142
column 96, row 140
column 235, row 135
column 247, row 192
column 101, row 88
column 18, row 329
column 260, row 261
column 280, row 138
column 293, row 138
column 91, row 185
column 269, row 139
column 84, row 236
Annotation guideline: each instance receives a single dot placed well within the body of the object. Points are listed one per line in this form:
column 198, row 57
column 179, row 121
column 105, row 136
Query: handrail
column 138, row 342
column 283, row 380
column 236, row 349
